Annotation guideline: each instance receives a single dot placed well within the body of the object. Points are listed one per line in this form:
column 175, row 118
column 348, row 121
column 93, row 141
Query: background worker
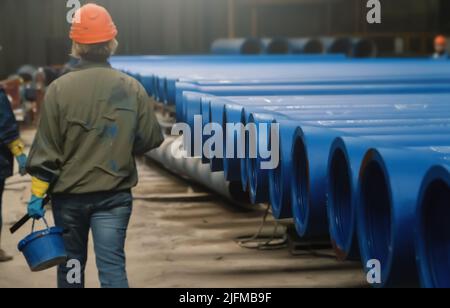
column 10, row 146
column 94, row 120
column 440, row 47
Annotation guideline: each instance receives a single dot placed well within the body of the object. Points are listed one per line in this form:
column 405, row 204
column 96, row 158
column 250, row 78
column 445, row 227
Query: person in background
column 94, row 121
column 10, row 146
column 440, row 47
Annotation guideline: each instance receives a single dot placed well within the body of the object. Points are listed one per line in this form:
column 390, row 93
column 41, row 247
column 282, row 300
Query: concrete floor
column 183, row 243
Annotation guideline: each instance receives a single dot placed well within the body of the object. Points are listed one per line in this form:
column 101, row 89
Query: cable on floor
column 255, row 242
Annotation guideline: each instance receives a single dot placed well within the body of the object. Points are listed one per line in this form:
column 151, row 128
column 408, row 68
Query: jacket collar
column 85, row 64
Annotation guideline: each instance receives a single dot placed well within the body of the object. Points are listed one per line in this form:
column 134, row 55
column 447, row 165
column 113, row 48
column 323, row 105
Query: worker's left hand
column 22, row 162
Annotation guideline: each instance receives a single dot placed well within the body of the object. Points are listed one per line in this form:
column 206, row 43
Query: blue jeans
column 107, row 215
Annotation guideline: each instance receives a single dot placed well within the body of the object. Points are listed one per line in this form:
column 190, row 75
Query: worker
column 440, row 47
column 93, row 121
column 10, row 146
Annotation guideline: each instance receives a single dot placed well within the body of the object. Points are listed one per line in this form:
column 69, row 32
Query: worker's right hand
column 36, row 207
column 39, row 189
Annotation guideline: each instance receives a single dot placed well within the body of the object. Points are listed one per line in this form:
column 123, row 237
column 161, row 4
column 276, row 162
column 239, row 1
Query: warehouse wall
column 35, row 31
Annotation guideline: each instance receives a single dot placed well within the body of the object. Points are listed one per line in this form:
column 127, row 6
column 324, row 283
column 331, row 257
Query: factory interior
column 233, row 145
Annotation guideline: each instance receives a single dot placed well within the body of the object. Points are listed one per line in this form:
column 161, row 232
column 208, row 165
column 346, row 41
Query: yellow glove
column 16, row 147
column 39, row 188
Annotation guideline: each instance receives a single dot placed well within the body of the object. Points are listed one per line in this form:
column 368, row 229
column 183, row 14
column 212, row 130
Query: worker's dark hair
column 94, row 52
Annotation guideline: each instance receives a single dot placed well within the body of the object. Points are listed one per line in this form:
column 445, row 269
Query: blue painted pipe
column 249, row 68
column 180, row 87
column 147, row 82
column 295, row 46
column 244, row 163
column 388, row 188
column 184, row 66
column 353, row 47
column 381, row 125
column 339, row 45
column 259, row 176
column 364, row 48
column 206, row 119
column 278, row 46
column 242, row 46
column 344, row 164
column 310, row 221
column 216, row 116
column 194, row 107
column 232, row 166
column 279, row 178
column 296, row 103
column 432, row 235
column 353, row 122
column 192, row 149
column 174, row 87
column 173, row 69
column 366, row 118
column 356, row 47
column 279, row 105
column 302, row 69
column 324, row 80
column 308, row 103
column 316, row 150
column 355, row 114
column 306, row 46
column 240, row 112
column 164, row 71
column 165, row 63
column 258, row 184
column 309, row 189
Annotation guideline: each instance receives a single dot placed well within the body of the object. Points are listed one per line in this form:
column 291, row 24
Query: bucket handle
column 34, row 222
column 25, row 219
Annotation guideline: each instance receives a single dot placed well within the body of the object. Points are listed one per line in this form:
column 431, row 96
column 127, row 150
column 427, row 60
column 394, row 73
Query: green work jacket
column 94, row 121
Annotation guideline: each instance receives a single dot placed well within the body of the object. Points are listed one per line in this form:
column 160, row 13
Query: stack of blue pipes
column 356, row 47
column 357, row 151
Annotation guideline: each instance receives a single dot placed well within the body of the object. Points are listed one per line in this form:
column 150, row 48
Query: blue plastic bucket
column 44, row 249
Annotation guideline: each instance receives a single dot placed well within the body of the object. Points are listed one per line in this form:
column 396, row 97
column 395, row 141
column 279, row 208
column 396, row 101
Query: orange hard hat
column 92, row 24
column 440, row 40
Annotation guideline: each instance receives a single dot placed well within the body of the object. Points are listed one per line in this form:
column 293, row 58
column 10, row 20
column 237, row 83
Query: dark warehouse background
column 36, row 31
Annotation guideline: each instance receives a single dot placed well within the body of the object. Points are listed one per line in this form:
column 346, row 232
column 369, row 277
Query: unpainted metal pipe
column 170, row 155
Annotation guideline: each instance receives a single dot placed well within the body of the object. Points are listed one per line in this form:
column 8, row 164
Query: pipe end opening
column 341, row 46
column 340, row 200
column 365, row 49
column 279, row 47
column 436, row 228
column 251, row 47
column 314, row 47
column 376, row 214
column 301, row 183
